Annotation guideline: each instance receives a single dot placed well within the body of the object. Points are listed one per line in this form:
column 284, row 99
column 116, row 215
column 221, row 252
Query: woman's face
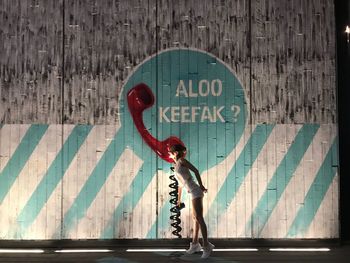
column 173, row 155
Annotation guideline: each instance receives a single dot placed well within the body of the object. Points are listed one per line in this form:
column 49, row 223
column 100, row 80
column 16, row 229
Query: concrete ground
column 118, row 253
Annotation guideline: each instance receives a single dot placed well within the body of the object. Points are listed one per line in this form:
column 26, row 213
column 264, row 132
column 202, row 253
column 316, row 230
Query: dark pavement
column 119, row 253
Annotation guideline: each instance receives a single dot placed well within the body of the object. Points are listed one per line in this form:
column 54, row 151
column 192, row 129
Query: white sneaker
column 207, row 250
column 194, row 248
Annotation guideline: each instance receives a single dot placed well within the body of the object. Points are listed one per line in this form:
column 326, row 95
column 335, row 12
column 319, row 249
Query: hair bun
column 177, row 148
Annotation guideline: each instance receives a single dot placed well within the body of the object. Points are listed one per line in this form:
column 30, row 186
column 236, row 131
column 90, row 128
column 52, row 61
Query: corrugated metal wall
column 73, row 164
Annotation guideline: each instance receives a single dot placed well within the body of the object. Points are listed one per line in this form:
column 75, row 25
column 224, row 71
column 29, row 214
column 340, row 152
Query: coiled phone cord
column 175, row 210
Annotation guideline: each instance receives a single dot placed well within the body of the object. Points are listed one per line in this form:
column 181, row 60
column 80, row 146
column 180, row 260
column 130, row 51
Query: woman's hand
column 203, row 188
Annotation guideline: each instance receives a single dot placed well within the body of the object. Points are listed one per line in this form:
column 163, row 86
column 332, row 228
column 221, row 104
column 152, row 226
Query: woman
column 182, row 169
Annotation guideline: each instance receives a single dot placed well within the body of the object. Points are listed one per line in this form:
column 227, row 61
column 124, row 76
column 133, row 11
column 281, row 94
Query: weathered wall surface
column 74, row 166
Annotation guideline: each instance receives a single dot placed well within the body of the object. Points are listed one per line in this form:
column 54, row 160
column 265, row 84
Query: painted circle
column 197, row 98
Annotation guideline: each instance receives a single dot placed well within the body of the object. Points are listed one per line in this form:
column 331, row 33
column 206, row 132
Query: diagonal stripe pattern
column 51, row 179
column 315, row 195
column 139, row 184
column 93, row 184
column 19, row 158
column 257, row 178
column 120, row 224
column 280, row 179
column 238, row 172
column 161, row 226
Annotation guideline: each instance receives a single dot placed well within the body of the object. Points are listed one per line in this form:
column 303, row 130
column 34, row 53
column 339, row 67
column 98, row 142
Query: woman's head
column 177, row 151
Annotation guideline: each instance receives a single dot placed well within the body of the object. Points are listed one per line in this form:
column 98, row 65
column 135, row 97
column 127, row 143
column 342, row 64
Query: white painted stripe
column 11, row 136
column 108, row 198
column 144, row 213
column 30, row 176
column 256, row 181
column 287, row 208
column 163, row 199
column 226, row 166
column 49, row 218
column 326, row 221
column 52, row 146
column 221, row 171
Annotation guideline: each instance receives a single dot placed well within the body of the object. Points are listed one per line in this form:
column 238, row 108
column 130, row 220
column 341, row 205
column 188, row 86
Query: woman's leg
column 195, row 229
column 198, row 214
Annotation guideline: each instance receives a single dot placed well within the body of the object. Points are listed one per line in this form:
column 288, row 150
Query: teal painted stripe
column 129, row 201
column 93, row 184
column 53, row 176
column 152, row 232
column 239, row 171
column 281, row 178
column 315, row 195
column 20, row 157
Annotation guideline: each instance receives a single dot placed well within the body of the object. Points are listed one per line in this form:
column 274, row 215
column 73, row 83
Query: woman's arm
column 195, row 171
column 179, row 194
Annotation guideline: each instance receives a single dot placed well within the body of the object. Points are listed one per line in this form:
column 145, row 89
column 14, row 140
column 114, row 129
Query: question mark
column 235, row 110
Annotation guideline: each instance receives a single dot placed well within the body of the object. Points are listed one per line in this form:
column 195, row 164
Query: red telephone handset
column 139, row 98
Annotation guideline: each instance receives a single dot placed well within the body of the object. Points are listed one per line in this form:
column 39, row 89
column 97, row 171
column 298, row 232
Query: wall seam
column 62, row 108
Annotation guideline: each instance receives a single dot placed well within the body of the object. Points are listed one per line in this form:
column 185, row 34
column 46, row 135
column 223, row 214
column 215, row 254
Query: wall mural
column 83, row 154
column 194, row 91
